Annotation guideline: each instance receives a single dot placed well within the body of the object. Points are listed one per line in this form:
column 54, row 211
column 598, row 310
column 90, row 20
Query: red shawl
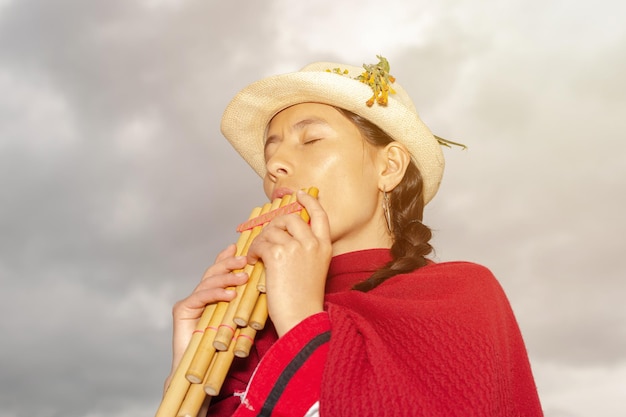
column 440, row 341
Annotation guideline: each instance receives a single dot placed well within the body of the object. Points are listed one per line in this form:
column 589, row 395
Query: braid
column 410, row 236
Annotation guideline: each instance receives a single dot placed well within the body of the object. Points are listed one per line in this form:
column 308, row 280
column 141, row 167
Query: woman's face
column 313, row 144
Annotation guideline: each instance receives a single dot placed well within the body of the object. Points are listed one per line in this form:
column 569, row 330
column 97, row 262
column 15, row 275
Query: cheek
column 344, row 209
column 347, row 188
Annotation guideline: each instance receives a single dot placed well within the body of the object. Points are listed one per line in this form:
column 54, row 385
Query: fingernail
column 241, row 274
column 230, row 292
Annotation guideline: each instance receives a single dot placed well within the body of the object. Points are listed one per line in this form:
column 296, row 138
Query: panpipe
column 226, row 329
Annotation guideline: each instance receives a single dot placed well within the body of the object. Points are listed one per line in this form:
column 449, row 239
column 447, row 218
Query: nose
column 279, row 164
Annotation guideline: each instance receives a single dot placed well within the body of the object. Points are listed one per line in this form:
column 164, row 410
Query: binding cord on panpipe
column 226, row 329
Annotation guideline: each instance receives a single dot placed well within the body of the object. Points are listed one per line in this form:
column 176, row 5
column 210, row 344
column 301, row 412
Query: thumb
column 318, row 217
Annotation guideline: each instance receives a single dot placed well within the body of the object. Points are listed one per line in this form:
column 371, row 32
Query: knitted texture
column 440, row 341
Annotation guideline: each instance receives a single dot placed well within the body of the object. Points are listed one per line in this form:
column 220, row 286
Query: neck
column 378, row 238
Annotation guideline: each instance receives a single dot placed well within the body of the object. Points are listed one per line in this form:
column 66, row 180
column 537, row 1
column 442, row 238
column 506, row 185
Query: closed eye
column 312, row 141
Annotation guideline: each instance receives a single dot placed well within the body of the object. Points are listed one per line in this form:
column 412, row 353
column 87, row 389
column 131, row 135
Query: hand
column 296, row 259
column 211, row 289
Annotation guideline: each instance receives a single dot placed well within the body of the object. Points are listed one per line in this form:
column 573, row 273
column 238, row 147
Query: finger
column 225, row 264
column 225, row 259
column 319, row 219
column 274, row 234
column 200, row 299
column 290, row 226
column 223, row 281
column 209, row 292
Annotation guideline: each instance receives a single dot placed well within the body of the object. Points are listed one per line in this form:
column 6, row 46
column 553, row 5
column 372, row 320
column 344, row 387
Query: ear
column 393, row 161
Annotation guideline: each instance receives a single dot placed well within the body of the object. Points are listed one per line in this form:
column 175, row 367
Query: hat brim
column 245, row 119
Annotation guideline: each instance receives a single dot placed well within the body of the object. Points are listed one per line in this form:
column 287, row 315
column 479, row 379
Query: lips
column 280, row 192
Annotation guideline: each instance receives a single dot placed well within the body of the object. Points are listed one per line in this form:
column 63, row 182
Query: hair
column 406, row 203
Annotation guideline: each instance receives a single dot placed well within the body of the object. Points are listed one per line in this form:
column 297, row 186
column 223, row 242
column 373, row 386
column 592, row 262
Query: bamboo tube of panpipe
column 204, row 352
column 223, row 360
column 186, row 398
column 248, row 333
column 226, row 329
column 220, row 367
column 305, row 216
column 249, row 296
column 260, row 286
column 244, row 342
column 286, row 200
column 197, row 368
column 259, row 314
column 314, row 192
column 179, row 384
column 251, row 292
column 195, row 398
column 193, row 401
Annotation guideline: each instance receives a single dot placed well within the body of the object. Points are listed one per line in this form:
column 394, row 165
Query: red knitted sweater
column 440, row 341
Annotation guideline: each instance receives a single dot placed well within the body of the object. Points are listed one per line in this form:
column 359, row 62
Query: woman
column 363, row 323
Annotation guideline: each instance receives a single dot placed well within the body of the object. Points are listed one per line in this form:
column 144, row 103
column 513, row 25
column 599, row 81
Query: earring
column 387, row 211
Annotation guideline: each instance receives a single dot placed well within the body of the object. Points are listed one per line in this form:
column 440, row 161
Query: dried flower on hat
column 379, row 79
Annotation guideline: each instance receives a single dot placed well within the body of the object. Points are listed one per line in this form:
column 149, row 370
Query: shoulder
column 451, row 298
column 455, row 267
column 446, row 277
column 453, row 289
column 457, row 288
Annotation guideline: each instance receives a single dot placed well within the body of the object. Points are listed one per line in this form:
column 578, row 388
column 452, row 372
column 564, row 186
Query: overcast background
column 117, row 189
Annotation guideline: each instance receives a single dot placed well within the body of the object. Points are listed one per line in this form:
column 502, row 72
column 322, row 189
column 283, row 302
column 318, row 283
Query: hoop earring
column 387, row 211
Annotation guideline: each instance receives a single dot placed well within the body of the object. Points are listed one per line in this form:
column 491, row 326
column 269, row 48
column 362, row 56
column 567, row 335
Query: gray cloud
column 118, row 189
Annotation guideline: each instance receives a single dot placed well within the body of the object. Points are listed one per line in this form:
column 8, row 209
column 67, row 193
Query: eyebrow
column 301, row 125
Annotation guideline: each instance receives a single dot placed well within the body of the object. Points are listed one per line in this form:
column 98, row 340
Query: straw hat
column 246, row 118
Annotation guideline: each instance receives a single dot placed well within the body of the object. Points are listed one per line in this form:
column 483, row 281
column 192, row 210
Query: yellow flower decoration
column 379, row 79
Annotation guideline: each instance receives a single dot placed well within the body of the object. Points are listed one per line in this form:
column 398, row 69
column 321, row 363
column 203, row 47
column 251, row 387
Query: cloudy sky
column 117, row 189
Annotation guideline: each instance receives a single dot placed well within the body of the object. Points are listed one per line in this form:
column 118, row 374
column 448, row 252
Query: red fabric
column 240, row 373
column 302, row 389
column 440, row 341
